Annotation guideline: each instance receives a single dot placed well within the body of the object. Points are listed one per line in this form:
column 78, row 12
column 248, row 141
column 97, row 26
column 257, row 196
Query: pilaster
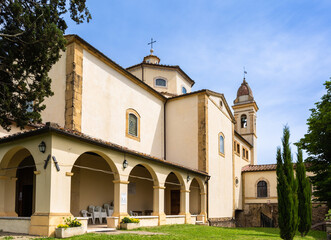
column 74, row 86
column 158, row 204
column 185, row 205
column 120, row 199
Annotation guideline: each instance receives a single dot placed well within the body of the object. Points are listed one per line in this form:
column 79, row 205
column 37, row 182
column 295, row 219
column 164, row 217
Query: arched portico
column 174, row 184
column 142, row 178
column 91, row 183
column 195, row 199
column 17, row 183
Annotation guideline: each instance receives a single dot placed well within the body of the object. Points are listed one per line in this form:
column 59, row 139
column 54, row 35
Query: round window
column 237, row 181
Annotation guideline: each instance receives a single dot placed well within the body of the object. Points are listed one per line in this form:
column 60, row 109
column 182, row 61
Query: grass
column 204, row 232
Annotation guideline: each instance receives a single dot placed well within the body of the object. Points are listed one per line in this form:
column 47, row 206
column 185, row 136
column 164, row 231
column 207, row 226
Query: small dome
column 244, row 93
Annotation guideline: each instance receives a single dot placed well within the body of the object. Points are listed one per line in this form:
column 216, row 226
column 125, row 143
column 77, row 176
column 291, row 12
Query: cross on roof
column 245, row 73
column 151, row 43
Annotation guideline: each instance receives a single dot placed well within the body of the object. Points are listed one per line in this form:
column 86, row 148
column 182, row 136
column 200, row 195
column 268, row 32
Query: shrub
column 130, row 220
column 69, row 222
column 72, row 222
column 62, row 226
column 328, row 216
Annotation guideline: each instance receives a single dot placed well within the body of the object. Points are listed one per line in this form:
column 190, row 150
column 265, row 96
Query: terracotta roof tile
column 264, row 167
column 256, row 168
column 54, row 127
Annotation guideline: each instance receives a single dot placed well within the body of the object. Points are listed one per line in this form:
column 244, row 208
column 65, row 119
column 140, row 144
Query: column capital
column 121, row 182
column 187, row 191
column 158, row 187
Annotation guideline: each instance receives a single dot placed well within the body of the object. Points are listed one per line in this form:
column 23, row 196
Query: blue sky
column 284, row 45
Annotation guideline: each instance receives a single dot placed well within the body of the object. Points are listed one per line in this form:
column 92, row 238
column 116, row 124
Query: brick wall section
column 203, row 132
column 74, row 78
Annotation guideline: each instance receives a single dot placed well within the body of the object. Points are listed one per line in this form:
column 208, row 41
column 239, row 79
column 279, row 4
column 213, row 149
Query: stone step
column 91, row 230
column 201, row 223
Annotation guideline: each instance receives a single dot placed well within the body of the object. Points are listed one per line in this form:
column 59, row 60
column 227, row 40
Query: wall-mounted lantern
column 188, row 178
column 125, row 164
column 42, row 147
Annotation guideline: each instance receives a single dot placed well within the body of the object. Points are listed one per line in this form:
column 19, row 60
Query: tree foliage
column 31, row 37
column 286, row 190
column 317, row 143
column 304, row 196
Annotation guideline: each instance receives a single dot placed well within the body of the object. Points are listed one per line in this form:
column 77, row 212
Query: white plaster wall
column 239, row 164
column 220, row 168
column 178, row 219
column 136, row 72
column 181, row 82
column 148, row 221
column 182, row 131
column 15, row 225
column 170, row 75
column 251, row 178
column 175, row 81
column 107, row 95
column 55, row 105
column 217, row 100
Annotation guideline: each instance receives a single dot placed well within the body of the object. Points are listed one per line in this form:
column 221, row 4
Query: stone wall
column 251, row 215
column 221, row 222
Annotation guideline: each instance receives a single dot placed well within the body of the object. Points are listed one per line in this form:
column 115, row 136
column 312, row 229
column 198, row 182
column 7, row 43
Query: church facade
column 138, row 139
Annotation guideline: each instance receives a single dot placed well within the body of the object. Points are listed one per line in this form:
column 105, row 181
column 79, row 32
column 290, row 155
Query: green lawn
column 203, row 232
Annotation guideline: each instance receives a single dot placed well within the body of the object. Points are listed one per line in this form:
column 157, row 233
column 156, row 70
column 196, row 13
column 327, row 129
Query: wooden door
column 175, row 202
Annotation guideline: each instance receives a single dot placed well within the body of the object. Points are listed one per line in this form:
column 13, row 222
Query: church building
column 135, row 141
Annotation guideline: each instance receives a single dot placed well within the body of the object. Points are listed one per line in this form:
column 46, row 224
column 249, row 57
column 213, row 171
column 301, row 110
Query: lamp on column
column 188, row 178
column 125, row 164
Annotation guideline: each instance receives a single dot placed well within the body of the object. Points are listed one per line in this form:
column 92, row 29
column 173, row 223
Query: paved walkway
column 102, row 231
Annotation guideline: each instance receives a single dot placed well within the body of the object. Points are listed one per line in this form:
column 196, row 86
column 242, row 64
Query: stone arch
column 92, row 183
column 196, row 189
column 18, row 189
column 151, row 172
column 110, row 162
column 142, row 179
column 268, row 186
column 174, row 185
column 180, row 179
column 7, row 160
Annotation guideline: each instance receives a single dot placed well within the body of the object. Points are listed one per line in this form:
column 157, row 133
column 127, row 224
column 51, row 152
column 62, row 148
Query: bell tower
column 245, row 109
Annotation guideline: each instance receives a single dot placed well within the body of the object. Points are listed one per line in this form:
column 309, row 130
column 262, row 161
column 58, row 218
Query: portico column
column 7, row 193
column 120, row 198
column 185, row 205
column 203, row 212
column 52, row 200
column 158, row 203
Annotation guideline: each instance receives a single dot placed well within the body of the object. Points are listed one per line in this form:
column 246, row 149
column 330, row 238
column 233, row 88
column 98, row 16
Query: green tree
column 304, row 196
column 286, row 190
column 31, row 37
column 317, row 143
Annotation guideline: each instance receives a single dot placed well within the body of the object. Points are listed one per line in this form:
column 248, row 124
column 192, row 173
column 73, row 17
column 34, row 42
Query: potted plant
column 328, row 224
column 129, row 223
column 71, row 227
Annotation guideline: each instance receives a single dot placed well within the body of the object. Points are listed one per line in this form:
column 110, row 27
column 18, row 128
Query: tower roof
column 244, row 93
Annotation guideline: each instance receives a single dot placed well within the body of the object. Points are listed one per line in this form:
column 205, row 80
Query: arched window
column 262, row 189
column 184, row 90
column 221, row 143
column 159, row 82
column 243, row 121
column 132, row 124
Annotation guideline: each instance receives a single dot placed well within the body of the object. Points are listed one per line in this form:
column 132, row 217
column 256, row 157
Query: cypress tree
column 286, row 190
column 304, row 197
